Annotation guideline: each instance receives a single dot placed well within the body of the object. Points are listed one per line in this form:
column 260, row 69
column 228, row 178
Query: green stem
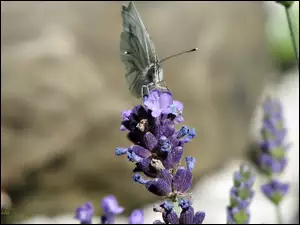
column 294, row 43
column 278, row 215
column 177, row 209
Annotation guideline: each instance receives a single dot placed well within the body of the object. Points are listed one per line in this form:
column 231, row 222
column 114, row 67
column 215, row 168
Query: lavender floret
column 85, row 213
column 110, row 209
column 275, row 190
column 136, row 217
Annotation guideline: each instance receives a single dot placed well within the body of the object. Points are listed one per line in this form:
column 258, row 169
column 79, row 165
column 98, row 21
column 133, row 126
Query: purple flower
column 275, row 190
column 110, row 208
column 187, row 215
column 125, row 117
column 138, row 119
column 271, row 165
column 167, row 184
column 271, row 158
column 190, row 163
column 85, row 213
column 136, row 217
column 160, row 142
column 155, row 137
column 159, row 102
column 169, row 215
column 241, row 195
column 176, row 109
column 157, row 152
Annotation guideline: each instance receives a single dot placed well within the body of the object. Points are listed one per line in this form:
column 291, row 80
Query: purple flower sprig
column 110, row 209
column 158, row 147
column 241, row 195
column 271, row 157
column 187, row 215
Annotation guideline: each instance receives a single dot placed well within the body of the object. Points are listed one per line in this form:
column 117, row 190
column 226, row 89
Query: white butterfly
column 143, row 70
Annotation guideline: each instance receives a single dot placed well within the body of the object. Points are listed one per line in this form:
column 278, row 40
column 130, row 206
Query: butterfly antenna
column 178, row 54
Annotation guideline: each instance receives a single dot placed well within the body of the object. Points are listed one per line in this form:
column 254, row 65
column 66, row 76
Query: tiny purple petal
column 199, row 217
column 169, row 215
column 126, row 114
column 165, row 101
column 85, row 213
column 140, row 151
column 165, row 144
column 158, row 222
column 166, row 175
column 110, row 205
column 191, row 134
column 182, row 180
column 136, row 217
column 123, row 128
column 187, row 213
column 150, row 141
column 138, row 178
column 179, row 105
column 177, row 154
column 182, row 132
column 168, row 161
column 134, row 157
column 121, row 151
column 190, row 163
column 158, row 187
column 178, row 119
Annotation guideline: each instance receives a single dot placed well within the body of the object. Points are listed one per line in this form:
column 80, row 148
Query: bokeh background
column 63, row 90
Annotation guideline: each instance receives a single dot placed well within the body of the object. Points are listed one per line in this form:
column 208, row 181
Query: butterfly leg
column 146, row 92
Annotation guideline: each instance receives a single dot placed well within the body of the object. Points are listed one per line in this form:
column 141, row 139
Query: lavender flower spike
column 110, row 209
column 85, row 213
column 271, row 157
column 241, row 196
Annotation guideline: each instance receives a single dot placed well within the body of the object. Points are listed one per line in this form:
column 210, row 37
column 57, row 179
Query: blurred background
column 63, row 90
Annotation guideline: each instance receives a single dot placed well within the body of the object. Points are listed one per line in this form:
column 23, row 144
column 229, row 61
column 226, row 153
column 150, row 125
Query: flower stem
column 177, row 209
column 278, row 215
column 294, row 43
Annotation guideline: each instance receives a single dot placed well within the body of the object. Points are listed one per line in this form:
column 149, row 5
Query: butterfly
column 143, row 69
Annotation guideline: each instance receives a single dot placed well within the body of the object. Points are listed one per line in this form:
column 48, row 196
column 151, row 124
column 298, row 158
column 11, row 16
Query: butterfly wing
column 137, row 50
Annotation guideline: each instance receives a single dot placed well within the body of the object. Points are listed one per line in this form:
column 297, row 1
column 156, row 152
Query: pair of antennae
column 175, row 55
column 178, row 54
